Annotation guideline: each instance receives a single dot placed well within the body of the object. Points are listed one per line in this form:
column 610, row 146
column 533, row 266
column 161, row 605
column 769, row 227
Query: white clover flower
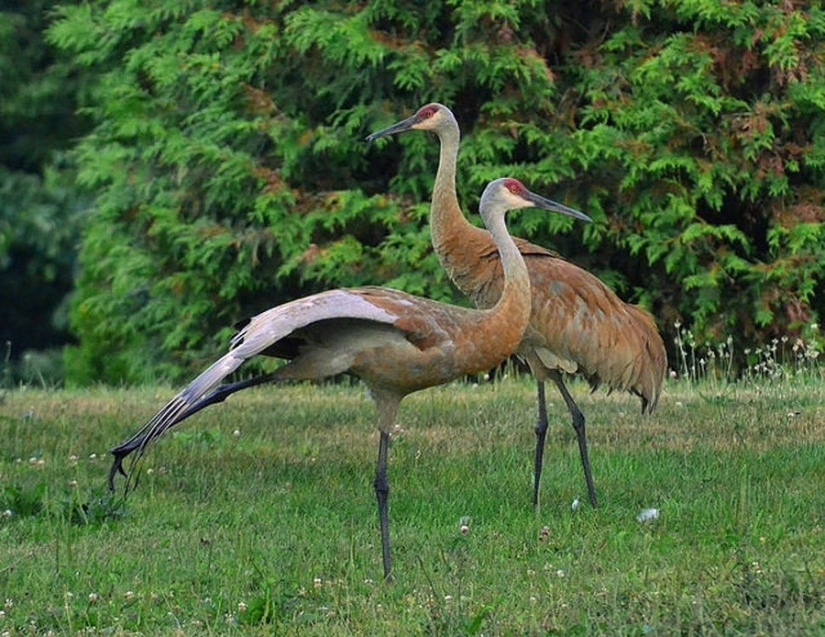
column 575, row 505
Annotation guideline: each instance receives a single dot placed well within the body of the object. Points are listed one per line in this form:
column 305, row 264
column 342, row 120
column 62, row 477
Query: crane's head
column 433, row 117
column 507, row 193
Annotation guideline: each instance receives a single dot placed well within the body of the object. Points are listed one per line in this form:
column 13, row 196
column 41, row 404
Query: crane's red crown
column 515, row 186
column 426, row 112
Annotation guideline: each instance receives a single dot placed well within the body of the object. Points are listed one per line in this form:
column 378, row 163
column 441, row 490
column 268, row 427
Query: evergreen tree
column 230, row 170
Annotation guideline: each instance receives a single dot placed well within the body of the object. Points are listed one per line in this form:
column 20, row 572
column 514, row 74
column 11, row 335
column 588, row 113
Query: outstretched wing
column 258, row 335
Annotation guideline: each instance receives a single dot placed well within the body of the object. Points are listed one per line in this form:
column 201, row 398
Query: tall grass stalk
column 717, row 365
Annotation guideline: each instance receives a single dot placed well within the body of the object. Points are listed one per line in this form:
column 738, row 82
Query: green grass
column 258, row 516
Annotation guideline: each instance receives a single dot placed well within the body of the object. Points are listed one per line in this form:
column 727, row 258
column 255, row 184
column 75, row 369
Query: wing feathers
column 578, row 324
column 256, row 336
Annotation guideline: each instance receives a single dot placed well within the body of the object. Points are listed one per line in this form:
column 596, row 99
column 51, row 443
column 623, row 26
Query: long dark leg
column 220, row 394
column 382, row 492
column 541, row 435
column 578, row 425
column 139, row 440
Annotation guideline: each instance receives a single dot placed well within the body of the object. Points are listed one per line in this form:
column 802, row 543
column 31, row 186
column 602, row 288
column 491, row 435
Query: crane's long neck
column 448, row 226
column 511, row 313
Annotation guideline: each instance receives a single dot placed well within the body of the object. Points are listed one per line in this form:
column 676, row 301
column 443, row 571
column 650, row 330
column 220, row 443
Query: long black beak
column 398, row 127
column 548, row 204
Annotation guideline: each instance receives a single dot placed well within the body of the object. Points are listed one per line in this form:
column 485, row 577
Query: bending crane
column 395, row 342
column 577, row 325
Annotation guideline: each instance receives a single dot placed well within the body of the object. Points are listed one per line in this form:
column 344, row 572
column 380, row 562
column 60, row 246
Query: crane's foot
column 117, row 467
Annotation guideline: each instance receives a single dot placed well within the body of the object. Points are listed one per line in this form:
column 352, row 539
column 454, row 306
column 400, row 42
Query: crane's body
column 585, row 330
column 577, row 325
column 395, row 342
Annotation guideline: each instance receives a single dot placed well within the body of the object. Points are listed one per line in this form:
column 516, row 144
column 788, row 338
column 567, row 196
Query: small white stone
column 648, row 515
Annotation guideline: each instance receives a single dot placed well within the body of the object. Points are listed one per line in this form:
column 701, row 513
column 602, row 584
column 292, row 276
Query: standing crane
column 395, row 342
column 577, row 325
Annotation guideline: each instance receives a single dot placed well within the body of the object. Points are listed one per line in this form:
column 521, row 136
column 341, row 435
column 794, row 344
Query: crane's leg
column 382, row 492
column 139, row 440
column 541, row 435
column 578, row 425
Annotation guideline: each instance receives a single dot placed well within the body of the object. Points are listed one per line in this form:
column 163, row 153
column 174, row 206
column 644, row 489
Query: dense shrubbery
column 230, row 171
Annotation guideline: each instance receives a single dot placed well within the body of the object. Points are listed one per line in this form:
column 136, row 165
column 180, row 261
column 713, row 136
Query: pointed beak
column 399, row 127
column 548, row 204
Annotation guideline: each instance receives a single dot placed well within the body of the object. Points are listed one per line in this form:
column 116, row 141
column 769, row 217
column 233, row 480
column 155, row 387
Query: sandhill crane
column 395, row 342
column 578, row 325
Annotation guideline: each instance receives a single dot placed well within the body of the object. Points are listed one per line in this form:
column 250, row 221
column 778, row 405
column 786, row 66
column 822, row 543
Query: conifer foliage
column 230, row 172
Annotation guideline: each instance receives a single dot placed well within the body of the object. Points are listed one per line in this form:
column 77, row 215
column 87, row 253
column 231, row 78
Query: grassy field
column 258, row 517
